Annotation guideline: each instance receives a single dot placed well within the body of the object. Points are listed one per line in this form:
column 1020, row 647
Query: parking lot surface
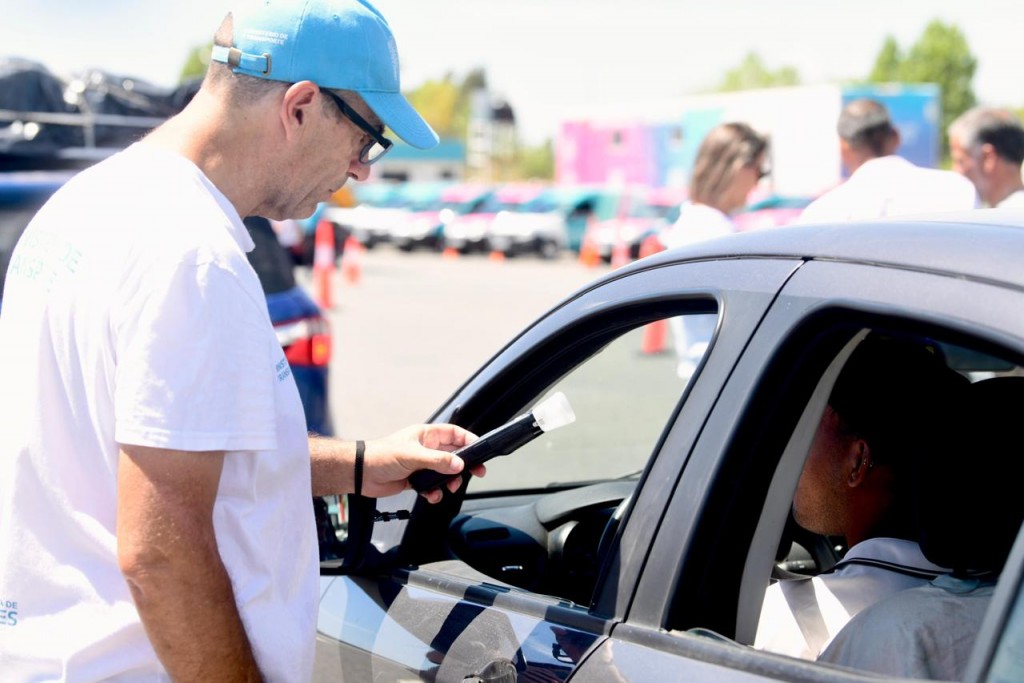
column 415, row 325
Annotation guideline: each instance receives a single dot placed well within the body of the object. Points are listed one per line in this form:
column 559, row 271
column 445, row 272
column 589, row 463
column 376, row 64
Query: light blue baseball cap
column 337, row 44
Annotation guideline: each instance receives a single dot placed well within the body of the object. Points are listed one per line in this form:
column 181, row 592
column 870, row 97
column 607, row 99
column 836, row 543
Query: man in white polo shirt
column 881, row 183
column 155, row 471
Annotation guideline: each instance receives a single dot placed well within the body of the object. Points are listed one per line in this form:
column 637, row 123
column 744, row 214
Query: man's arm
column 168, row 554
column 389, row 461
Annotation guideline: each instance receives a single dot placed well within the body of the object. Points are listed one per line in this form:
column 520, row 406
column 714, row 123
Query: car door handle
column 498, row 671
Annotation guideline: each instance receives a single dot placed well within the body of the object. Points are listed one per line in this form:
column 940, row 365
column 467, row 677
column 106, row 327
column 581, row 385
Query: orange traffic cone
column 497, row 256
column 323, row 263
column 589, row 255
column 655, row 333
column 352, row 260
column 450, row 253
column 654, row 337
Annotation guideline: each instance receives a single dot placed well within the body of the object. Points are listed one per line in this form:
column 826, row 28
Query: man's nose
column 358, row 170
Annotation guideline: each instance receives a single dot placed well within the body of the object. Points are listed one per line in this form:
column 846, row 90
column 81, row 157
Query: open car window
column 623, row 397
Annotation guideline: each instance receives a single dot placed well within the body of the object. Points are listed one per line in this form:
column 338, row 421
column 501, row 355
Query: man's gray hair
column 865, row 124
column 989, row 125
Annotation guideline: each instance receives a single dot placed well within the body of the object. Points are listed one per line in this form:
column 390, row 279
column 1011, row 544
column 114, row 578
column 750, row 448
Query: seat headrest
column 969, row 496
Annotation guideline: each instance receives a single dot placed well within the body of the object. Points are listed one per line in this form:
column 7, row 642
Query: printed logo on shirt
column 8, row 613
column 42, row 257
column 284, row 371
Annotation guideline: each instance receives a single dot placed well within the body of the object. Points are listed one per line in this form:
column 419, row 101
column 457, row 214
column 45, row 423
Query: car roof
column 984, row 244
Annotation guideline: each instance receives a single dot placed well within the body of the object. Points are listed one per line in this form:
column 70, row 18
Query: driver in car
column 855, row 486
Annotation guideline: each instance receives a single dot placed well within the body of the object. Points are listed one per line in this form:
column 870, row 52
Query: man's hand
column 389, row 461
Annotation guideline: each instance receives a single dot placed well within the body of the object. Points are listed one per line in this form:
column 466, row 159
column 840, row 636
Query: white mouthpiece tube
column 554, row 412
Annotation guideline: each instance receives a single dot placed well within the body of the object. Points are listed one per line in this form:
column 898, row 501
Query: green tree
column 942, row 56
column 887, row 63
column 445, row 103
column 536, row 163
column 196, row 62
column 437, row 101
column 752, row 73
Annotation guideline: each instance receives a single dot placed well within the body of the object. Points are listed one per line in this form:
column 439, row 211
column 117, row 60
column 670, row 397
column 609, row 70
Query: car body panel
column 403, row 631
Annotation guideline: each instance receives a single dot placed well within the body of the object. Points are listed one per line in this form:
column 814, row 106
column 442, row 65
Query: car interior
column 549, row 525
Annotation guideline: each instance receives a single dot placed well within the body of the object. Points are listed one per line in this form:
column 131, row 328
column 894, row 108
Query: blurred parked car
column 530, row 222
column 419, row 223
column 772, row 211
column 467, row 232
column 637, row 543
column 378, row 206
column 583, row 206
column 424, row 226
column 645, row 211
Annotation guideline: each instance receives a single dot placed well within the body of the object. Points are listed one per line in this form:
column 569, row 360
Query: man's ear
column 296, row 106
column 893, row 143
column 989, row 158
column 858, row 461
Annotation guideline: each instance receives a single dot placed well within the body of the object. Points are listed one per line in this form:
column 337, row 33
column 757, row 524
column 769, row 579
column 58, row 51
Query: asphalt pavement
column 414, row 326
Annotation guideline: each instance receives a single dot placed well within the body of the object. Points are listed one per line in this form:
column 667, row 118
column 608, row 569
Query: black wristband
column 360, row 451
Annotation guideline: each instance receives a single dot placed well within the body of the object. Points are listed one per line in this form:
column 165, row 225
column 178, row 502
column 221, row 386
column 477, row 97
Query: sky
column 552, row 59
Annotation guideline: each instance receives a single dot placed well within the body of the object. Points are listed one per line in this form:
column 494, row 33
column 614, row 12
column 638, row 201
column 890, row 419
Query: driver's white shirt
column 800, row 617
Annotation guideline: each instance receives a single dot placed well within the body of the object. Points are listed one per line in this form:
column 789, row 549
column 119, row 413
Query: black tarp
column 30, row 88
column 26, row 86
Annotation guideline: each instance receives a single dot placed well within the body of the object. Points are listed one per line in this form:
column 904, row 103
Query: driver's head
column 886, row 404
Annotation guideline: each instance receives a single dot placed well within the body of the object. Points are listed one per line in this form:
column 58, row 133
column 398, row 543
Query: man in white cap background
column 155, row 472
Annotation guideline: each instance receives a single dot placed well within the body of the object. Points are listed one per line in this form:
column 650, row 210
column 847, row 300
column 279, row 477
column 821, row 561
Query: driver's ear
column 859, row 462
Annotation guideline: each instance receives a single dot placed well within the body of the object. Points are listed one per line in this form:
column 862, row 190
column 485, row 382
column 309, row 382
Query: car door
column 698, row 598
column 419, row 610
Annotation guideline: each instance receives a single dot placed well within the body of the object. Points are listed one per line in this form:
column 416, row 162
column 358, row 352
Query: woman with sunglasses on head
column 730, row 163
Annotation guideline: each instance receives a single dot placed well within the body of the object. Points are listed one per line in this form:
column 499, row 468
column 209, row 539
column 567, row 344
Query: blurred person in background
column 730, row 163
column 987, row 147
column 880, row 182
column 155, row 469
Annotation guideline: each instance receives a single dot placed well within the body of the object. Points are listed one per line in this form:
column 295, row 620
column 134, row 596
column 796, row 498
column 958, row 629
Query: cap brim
column 398, row 115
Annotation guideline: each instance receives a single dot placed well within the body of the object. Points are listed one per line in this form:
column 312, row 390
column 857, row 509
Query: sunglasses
column 375, row 148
